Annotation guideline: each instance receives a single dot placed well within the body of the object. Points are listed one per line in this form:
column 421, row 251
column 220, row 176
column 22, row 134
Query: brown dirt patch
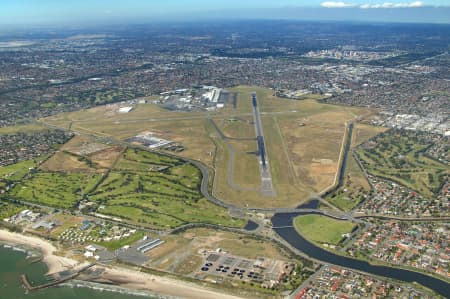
column 83, row 145
column 62, row 161
column 106, row 158
column 319, row 169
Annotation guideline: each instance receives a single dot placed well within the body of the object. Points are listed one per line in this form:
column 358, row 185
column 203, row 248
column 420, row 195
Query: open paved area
column 267, row 188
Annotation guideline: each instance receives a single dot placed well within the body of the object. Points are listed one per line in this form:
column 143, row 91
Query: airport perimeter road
column 266, row 177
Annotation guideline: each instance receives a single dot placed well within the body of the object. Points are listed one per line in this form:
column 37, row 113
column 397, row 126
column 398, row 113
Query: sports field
column 322, row 229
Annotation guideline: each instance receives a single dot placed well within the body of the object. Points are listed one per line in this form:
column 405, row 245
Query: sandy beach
column 54, row 263
column 161, row 285
column 119, row 276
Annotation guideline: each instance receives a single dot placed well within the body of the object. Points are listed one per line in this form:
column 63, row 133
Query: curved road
column 283, row 226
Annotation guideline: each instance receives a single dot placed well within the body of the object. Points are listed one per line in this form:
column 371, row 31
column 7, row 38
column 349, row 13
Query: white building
column 212, row 95
column 125, row 109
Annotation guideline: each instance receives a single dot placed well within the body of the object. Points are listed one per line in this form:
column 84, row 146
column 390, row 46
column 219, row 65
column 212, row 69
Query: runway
column 266, row 177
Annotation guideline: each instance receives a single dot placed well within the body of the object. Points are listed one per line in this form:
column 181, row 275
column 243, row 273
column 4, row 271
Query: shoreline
column 54, row 263
column 130, row 279
column 113, row 289
column 123, row 278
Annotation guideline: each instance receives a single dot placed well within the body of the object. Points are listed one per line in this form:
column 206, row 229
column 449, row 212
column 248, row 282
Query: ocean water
column 14, row 263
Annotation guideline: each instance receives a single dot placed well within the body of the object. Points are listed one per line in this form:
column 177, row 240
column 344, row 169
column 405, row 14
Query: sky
column 19, row 12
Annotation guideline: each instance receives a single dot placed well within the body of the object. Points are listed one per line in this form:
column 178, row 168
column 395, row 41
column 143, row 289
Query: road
column 306, row 283
column 343, row 157
column 283, row 224
column 204, row 188
column 288, row 241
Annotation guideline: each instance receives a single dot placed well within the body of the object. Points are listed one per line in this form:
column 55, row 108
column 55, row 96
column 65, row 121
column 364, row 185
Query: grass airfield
column 303, row 140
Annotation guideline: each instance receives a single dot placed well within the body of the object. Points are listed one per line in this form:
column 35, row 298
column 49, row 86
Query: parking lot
column 225, row 265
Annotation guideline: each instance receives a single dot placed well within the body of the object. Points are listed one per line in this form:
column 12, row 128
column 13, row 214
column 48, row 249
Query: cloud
column 333, row 4
column 392, row 5
column 340, row 4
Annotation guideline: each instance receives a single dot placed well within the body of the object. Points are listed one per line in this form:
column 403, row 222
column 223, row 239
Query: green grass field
column 16, row 172
column 167, row 198
column 55, row 189
column 141, row 161
column 143, row 187
column 322, row 229
column 398, row 156
column 364, row 132
column 29, row 128
column 303, row 159
column 355, row 185
column 8, row 209
column 343, row 201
